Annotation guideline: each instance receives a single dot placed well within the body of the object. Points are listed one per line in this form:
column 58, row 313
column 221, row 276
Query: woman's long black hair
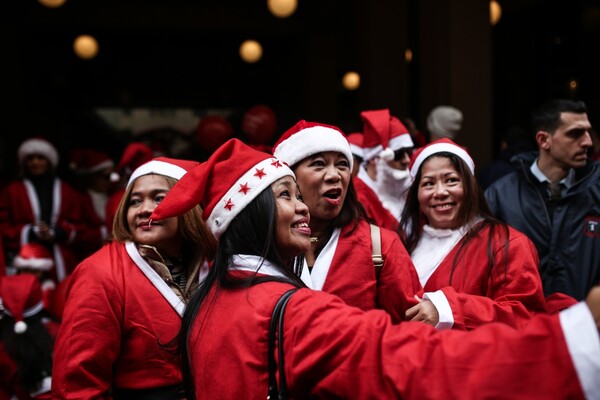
column 31, row 350
column 252, row 232
column 474, row 205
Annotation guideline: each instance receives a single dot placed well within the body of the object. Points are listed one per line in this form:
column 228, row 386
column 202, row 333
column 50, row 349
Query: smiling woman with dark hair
column 467, row 261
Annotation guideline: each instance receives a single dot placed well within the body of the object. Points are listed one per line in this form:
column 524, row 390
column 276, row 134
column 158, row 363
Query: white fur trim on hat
column 243, row 191
column 38, row 146
column 313, row 140
column 98, row 167
column 41, row 264
column 157, row 167
column 395, row 143
column 441, row 148
column 356, row 150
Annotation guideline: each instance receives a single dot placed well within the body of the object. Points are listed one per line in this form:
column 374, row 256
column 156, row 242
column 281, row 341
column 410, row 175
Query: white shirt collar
column 245, row 262
column 568, row 180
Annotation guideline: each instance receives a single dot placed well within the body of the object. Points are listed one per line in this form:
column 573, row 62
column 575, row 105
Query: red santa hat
column 88, row 161
column 307, row 138
column 356, row 144
column 172, row 167
column 439, row 146
column 34, row 256
column 21, row 296
column 38, row 146
column 384, row 134
column 224, row 185
column 134, row 155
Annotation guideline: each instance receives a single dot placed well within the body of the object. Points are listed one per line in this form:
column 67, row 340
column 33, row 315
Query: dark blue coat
column 568, row 242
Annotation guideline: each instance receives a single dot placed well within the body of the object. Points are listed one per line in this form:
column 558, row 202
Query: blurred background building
column 104, row 73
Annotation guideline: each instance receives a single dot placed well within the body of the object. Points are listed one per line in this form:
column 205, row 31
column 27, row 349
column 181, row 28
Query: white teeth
column 300, row 225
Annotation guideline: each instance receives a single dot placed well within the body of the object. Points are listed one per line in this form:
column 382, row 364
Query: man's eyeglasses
column 400, row 154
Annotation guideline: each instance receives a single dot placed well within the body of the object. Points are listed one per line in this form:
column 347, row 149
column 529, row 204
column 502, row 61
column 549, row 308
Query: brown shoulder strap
column 376, row 249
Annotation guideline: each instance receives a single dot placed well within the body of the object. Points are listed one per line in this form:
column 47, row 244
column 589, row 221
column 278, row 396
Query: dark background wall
column 161, row 54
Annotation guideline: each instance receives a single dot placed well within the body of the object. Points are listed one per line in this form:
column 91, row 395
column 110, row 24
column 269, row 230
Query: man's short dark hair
column 547, row 117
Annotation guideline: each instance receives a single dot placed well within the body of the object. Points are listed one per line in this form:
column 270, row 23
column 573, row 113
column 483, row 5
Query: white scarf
column 433, row 247
column 316, row 279
column 251, row 263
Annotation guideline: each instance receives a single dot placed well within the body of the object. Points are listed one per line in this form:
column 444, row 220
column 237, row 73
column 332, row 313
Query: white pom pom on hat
column 383, row 133
column 387, row 154
column 22, row 298
column 20, row 327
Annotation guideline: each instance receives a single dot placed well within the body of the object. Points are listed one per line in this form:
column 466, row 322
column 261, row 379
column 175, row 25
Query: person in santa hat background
column 383, row 178
column 340, row 259
column 92, row 171
column 35, row 259
column 125, row 302
column 27, row 335
column 327, row 348
column 355, row 140
column 41, row 208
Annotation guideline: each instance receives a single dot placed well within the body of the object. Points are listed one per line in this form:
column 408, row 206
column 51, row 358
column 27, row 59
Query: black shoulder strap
column 277, row 324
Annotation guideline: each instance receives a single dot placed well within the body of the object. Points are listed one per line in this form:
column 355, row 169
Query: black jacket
column 568, row 242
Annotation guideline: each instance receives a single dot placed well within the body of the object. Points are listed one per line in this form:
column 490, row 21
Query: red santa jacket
column 352, row 275
column 95, row 232
column 336, row 351
column 118, row 327
column 511, row 293
column 373, row 206
column 19, row 209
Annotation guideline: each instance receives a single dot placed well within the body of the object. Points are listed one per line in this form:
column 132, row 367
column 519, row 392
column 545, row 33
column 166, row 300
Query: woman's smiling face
column 148, row 191
column 292, row 235
column 440, row 192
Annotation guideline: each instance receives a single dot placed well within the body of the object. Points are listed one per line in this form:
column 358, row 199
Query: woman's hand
column 425, row 311
column 593, row 302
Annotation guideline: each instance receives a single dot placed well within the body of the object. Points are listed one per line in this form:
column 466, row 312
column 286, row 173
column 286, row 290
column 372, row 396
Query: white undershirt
column 433, row 247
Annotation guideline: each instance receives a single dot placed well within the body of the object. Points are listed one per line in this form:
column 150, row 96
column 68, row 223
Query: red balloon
column 213, row 131
column 259, row 124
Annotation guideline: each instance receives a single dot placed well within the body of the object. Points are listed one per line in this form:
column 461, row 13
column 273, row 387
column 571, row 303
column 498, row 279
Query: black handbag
column 276, row 330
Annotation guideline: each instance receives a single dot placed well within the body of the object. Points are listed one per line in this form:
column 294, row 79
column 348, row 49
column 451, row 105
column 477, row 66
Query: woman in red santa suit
column 26, row 339
column 467, row 260
column 41, row 208
column 125, row 302
column 340, row 258
column 332, row 350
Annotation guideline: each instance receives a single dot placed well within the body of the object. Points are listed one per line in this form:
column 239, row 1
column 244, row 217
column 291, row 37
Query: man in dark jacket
column 554, row 198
